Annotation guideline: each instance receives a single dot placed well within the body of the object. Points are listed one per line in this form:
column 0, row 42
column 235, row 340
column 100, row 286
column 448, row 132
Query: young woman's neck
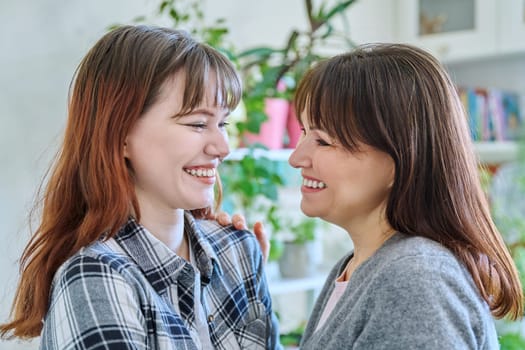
column 167, row 225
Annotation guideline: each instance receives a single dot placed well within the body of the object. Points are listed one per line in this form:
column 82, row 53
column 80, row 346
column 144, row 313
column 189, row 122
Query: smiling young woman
column 122, row 257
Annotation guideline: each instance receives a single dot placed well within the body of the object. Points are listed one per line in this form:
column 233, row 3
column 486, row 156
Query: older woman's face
column 339, row 186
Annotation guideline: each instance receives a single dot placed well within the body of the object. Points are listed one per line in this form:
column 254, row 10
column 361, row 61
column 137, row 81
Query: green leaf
column 263, row 51
column 511, row 341
column 340, row 7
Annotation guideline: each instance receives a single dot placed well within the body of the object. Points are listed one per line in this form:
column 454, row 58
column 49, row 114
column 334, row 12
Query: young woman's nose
column 218, row 145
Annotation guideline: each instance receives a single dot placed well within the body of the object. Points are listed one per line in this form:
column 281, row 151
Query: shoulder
column 98, row 264
column 420, row 278
column 418, row 273
column 411, row 254
column 227, row 236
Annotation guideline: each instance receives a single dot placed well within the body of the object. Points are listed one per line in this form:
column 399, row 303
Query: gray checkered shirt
column 132, row 292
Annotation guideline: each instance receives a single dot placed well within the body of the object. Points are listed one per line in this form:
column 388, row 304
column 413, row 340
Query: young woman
column 122, row 258
column 386, row 154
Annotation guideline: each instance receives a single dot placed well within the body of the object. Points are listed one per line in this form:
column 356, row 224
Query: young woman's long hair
column 400, row 100
column 90, row 192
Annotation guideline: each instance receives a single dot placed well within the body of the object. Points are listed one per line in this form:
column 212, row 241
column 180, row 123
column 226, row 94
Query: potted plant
column 299, row 256
column 507, row 194
column 271, row 73
column 269, row 76
column 252, row 182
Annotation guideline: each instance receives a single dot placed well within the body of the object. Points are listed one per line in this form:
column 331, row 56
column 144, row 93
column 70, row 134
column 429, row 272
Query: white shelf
column 290, row 285
column 496, row 152
column 488, row 152
column 277, row 154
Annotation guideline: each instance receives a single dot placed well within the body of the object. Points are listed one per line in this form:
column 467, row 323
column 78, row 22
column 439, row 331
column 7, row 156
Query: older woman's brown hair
column 400, row 100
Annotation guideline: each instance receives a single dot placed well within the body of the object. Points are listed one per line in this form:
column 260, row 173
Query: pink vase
column 272, row 130
column 293, row 128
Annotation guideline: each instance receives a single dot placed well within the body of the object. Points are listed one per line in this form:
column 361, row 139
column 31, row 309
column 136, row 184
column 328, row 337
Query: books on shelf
column 493, row 114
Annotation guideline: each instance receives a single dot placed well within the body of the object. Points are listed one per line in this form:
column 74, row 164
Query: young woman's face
column 175, row 159
column 341, row 187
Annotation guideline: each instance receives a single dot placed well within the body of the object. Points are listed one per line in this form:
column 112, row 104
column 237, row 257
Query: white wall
column 41, row 43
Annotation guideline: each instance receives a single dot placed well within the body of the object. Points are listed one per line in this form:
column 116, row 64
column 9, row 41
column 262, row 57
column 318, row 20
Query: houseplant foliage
column 251, row 183
column 299, row 254
column 507, row 193
column 265, row 68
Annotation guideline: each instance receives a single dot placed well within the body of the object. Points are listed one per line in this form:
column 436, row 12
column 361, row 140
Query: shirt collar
column 161, row 266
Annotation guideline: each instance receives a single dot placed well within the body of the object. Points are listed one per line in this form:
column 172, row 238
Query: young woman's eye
column 303, row 131
column 197, row 125
column 223, row 124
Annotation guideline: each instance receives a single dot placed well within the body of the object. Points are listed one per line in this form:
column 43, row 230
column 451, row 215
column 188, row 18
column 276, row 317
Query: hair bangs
column 326, row 100
column 209, row 75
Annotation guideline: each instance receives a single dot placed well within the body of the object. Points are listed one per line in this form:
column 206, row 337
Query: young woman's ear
column 126, row 155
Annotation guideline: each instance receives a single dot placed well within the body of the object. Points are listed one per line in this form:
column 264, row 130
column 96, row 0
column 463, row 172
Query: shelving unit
column 277, row 155
column 488, row 152
column 496, row 152
column 311, row 286
column 291, row 285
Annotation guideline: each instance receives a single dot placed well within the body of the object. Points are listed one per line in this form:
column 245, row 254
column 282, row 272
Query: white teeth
column 313, row 183
column 201, row 172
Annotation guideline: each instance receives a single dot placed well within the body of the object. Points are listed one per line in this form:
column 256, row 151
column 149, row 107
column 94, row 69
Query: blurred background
column 480, row 42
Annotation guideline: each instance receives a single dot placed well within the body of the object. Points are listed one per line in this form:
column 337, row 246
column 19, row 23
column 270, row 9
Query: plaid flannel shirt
column 132, row 292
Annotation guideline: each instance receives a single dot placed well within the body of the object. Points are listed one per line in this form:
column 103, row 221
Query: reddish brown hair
column 400, row 100
column 90, row 192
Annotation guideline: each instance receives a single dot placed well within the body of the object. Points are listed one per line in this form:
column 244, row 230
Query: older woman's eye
column 322, row 142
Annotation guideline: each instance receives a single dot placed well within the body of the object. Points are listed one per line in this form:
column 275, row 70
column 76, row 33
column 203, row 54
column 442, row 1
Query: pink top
column 334, row 298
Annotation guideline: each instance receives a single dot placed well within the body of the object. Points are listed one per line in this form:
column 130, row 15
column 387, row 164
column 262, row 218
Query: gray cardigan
column 413, row 293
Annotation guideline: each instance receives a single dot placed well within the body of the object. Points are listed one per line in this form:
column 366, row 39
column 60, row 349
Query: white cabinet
column 458, row 30
column 450, row 29
column 511, row 34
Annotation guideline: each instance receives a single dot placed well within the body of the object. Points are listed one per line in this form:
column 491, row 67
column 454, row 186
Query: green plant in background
column 507, row 193
column 511, row 341
column 252, row 184
column 189, row 15
column 249, row 181
column 293, row 338
column 274, row 71
column 304, row 231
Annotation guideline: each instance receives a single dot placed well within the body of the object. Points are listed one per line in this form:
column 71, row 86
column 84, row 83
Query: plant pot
column 293, row 128
column 272, row 130
column 298, row 260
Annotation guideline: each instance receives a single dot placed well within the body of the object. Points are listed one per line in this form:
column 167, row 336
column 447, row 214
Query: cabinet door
column 511, row 15
column 451, row 29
